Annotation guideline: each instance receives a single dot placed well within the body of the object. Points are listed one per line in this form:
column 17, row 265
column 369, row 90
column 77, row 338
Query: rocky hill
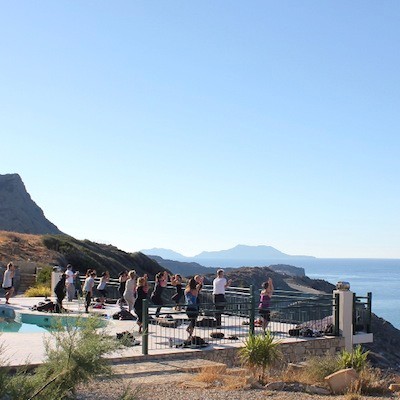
column 18, row 212
column 82, row 254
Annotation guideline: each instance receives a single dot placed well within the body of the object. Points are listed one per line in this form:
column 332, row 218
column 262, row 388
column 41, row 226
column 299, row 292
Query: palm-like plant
column 260, row 352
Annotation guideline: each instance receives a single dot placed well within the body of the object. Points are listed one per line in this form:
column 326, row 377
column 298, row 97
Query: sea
column 381, row 277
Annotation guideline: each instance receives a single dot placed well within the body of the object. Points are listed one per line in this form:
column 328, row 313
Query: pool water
column 39, row 323
column 9, row 325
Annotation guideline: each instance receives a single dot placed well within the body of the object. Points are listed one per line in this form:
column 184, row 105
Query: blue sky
column 201, row 125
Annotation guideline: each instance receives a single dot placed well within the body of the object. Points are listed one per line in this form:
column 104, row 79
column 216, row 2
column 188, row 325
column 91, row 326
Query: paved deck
column 21, row 348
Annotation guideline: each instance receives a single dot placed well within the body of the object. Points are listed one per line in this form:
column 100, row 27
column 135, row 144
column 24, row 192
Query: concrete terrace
column 21, row 348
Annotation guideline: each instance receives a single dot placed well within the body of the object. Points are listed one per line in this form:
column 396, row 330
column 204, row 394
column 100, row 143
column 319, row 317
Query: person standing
column 122, row 278
column 265, row 299
column 161, row 281
column 200, row 281
column 8, row 281
column 70, row 283
column 142, row 289
column 192, row 307
column 219, row 285
column 130, row 290
column 176, row 280
column 59, row 291
column 78, row 285
column 88, row 288
column 101, row 287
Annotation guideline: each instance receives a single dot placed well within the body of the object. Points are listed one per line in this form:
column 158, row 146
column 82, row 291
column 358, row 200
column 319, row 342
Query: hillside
column 82, row 254
column 18, row 212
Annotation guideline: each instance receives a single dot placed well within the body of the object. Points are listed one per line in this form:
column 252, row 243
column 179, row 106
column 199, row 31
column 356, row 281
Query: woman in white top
column 8, row 281
column 101, row 287
column 88, row 288
column 130, row 290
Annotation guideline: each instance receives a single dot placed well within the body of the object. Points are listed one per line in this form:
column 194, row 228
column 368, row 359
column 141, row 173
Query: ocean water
column 379, row 276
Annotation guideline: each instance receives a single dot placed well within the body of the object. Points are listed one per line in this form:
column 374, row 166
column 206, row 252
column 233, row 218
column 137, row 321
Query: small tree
column 260, row 352
column 74, row 356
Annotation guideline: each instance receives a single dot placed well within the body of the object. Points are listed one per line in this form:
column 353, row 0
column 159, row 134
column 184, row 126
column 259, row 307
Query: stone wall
column 294, row 350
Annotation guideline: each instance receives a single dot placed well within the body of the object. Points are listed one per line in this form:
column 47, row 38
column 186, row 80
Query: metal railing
column 289, row 312
column 362, row 313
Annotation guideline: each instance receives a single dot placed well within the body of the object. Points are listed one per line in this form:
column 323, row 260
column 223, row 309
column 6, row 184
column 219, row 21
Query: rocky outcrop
column 18, row 212
column 384, row 350
column 288, row 270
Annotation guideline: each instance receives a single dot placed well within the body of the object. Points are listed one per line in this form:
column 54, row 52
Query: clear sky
column 202, row 125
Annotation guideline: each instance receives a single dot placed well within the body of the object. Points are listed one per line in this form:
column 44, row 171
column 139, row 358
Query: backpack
column 195, row 341
column 45, row 307
column 207, row 322
column 217, row 335
column 123, row 315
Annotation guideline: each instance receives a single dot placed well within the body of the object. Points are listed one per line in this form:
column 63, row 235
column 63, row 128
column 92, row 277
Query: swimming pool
column 9, row 325
column 37, row 322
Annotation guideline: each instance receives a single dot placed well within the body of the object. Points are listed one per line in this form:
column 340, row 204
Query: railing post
column 369, row 311
column 337, row 299
column 145, row 327
column 252, row 310
column 354, row 313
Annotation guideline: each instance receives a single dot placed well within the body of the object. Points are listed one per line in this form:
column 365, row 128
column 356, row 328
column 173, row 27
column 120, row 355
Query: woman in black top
column 141, row 291
column 156, row 296
column 60, row 292
column 122, row 278
column 176, row 280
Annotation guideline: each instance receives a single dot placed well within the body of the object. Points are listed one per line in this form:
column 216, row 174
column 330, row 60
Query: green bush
column 260, row 352
column 356, row 359
column 43, row 277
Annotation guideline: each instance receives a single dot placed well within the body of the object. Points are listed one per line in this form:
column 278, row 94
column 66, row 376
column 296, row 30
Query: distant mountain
column 18, row 212
column 164, row 253
column 238, row 256
column 187, row 269
column 243, row 252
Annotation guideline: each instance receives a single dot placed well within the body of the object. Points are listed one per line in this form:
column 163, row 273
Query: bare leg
column 9, row 294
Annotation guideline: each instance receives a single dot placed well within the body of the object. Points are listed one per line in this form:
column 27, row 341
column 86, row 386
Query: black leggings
column 88, row 300
column 192, row 314
column 219, row 302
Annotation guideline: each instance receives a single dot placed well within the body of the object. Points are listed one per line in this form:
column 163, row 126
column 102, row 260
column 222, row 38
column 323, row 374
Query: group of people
column 133, row 290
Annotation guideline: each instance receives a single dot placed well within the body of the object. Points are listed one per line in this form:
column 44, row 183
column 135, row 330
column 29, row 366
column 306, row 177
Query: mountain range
column 240, row 255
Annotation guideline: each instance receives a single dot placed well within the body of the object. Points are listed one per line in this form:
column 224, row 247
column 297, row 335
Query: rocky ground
column 181, row 380
column 173, row 387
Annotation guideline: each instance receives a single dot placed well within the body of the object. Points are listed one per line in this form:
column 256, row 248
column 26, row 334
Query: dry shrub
column 235, row 382
column 374, row 381
column 316, row 369
column 210, row 374
column 218, row 376
column 352, row 396
column 295, row 375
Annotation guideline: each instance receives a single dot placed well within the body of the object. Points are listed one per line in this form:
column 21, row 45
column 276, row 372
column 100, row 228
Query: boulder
column 317, row 390
column 275, row 386
column 341, row 381
column 394, row 387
